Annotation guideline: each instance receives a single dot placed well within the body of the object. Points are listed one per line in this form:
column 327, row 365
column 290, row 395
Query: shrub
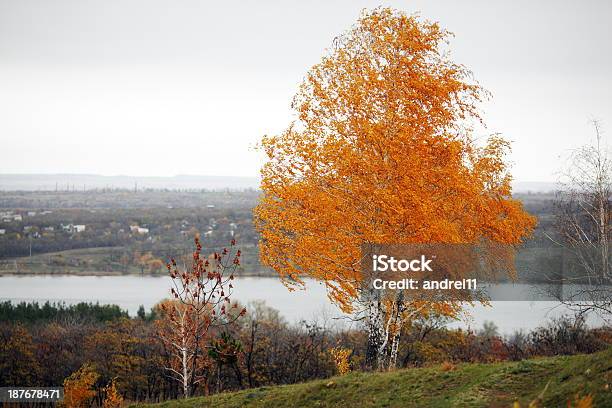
column 341, row 358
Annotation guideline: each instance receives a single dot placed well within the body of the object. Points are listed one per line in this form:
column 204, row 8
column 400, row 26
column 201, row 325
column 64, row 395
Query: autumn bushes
column 563, row 336
column 48, row 353
column 80, row 391
column 261, row 349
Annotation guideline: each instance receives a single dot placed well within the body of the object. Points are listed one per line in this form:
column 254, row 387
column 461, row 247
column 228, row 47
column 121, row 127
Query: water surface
column 130, row 291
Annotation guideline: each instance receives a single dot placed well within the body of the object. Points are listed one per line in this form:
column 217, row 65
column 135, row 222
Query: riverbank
column 99, row 261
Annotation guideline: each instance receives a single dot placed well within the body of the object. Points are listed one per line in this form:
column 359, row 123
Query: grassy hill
column 468, row 385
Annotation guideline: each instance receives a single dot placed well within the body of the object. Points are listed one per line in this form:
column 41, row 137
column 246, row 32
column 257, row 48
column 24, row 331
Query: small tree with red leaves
column 201, row 302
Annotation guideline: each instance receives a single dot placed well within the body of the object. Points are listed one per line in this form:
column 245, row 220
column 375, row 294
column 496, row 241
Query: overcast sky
column 156, row 88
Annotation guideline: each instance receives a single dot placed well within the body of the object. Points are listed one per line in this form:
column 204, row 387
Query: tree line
column 26, row 312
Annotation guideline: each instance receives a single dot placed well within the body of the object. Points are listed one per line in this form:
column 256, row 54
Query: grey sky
column 153, row 87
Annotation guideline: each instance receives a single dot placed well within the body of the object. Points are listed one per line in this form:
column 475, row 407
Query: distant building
column 73, row 228
column 27, row 228
column 138, row 230
column 50, row 229
column 2, row 231
column 17, row 217
column 31, row 213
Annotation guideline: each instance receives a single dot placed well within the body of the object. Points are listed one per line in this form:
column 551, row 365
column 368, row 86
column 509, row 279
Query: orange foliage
column 341, row 358
column 579, row 402
column 382, row 153
column 582, row 402
column 113, row 399
column 448, row 366
column 78, row 387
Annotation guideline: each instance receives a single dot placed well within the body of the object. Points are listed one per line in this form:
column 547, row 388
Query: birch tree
column 583, row 215
column 381, row 152
column 201, row 301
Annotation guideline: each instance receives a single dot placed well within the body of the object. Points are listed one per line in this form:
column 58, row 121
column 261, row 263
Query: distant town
column 119, row 231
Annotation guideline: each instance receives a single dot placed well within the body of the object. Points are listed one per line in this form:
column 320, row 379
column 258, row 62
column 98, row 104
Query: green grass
column 469, row 385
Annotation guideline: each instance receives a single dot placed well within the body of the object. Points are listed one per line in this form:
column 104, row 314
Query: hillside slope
column 469, row 385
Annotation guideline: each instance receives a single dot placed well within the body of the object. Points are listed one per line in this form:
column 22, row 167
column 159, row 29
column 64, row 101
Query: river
column 129, row 292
